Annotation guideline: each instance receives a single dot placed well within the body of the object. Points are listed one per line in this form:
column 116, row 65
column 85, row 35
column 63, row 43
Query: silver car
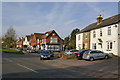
column 95, row 54
column 72, row 51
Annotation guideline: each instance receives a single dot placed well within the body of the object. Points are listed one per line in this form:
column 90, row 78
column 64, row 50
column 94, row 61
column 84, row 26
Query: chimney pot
column 99, row 19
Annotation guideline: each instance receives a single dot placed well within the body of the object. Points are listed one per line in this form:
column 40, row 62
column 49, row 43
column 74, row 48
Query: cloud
column 28, row 18
column 69, row 22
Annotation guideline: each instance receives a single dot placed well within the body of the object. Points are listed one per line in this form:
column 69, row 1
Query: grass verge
column 11, row 51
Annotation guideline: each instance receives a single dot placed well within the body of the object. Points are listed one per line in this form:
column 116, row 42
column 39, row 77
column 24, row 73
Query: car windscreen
column 46, row 52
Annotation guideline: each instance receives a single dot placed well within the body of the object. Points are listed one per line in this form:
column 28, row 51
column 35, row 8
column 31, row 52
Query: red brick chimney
column 99, row 19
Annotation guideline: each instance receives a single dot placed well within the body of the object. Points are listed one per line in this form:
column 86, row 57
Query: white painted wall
column 105, row 37
column 79, row 43
column 26, row 42
column 119, row 39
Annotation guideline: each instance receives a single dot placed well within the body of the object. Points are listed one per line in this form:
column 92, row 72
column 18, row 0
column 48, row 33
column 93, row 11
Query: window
column 53, row 34
column 94, row 34
column 93, row 52
column 37, row 40
column 100, row 32
column 33, row 41
column 109, row 45
column 79, row 37
column 94, row 45
column 109, row 30
column 86, row 35
column 53, row 40
column 79, row 46
column 85, row 45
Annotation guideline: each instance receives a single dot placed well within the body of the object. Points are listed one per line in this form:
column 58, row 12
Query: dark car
column 33, row 51
column 40, row 51
column 80, row 53
column 46, row 55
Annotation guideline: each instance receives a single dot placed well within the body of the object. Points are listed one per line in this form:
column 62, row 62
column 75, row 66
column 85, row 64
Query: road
column 30, row 66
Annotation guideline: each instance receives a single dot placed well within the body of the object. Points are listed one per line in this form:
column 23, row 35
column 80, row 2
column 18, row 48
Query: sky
column 63, row 17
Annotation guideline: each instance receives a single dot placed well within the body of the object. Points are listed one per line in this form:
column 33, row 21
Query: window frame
column 94, row 34
column 109, row 30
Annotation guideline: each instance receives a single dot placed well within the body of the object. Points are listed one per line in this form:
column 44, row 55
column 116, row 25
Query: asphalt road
column 30, row 66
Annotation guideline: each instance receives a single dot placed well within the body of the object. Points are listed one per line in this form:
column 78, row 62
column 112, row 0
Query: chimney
column 31, row 34
column 19, row 38
column 99, row 19
column 22, row 38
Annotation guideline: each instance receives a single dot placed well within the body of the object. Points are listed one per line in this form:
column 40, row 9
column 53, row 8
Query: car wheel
column 91, row 59
column 41, row 59
column 106, row 57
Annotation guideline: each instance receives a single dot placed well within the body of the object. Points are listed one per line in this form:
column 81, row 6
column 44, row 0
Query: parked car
column 95, row 54
column 29, row 50
column 46, row 55
column 72, row 51
column 80, row 53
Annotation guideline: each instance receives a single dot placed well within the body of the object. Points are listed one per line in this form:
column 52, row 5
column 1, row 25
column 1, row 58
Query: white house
column 119, row 39
column 27, row 40
column 79, row 41
column 104, row 35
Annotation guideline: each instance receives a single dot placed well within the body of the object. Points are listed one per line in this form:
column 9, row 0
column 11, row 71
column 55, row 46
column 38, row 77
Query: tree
column 73, row 38
column 70, row 42
column 9, row 38
column 0, row 42
column 66, row 40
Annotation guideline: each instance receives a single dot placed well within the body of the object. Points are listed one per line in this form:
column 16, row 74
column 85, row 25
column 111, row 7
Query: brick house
column 19, row 43
column 35, row 42
column 47, row 41
column 51, row 41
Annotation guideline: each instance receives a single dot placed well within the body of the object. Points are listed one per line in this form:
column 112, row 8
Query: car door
column 101, row 54
column 94, row 54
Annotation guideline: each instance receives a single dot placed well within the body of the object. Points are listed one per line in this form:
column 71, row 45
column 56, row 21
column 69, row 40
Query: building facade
column 105, row 39
column 103, row 35
column 51, row 41
column 79, row 41
column 119, row 39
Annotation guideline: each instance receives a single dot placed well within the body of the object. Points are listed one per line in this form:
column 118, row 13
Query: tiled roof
column 105, row 22
column 45, row 36
column 29, row 37
column 39, row 35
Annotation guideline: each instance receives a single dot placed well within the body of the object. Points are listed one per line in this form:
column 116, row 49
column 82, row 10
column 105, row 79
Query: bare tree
column 9, row 37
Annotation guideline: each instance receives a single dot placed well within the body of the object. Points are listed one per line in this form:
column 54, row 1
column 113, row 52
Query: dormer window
column 47, row 34
column 53, row 34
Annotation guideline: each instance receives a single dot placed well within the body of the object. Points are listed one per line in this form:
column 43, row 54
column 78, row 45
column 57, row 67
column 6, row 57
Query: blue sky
column 63, row 17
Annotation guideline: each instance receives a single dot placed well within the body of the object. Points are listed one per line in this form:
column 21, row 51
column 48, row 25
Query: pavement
column 30, row 66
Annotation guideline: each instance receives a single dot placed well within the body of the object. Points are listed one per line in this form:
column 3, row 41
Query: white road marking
column 26, row 67
column 8, row 60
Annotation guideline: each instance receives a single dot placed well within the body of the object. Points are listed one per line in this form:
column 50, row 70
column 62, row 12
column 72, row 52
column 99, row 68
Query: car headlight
column 42, row 56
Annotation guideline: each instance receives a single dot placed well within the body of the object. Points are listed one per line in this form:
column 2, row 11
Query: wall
column 34, row 39
column 79, row 43
column 119, row 39
column 26, row 42
column 105, row 37
column 86, row 40
column 48, row 39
